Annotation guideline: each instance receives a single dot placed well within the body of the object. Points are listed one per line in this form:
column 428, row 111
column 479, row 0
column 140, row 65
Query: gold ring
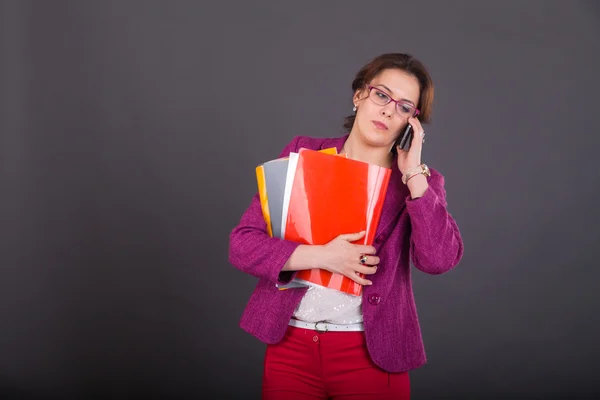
column 363, row 259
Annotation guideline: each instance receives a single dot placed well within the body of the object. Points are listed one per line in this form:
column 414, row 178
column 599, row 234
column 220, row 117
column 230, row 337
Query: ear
column 359, row 95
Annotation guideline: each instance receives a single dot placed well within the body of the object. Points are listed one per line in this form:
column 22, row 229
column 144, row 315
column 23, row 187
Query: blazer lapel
column 395, row 199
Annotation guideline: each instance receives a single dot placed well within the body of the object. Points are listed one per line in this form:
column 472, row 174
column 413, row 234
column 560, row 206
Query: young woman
column 322, row 343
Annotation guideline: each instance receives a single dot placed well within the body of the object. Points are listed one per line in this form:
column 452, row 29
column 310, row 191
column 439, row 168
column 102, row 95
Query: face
column 380, row 125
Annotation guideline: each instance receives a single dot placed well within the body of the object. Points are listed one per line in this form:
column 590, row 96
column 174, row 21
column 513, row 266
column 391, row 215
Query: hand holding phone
column 405, row 140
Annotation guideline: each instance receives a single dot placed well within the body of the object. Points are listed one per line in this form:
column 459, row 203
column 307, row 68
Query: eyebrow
column 391, row 91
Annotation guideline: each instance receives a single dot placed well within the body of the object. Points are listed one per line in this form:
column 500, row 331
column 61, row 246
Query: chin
column 378, row 138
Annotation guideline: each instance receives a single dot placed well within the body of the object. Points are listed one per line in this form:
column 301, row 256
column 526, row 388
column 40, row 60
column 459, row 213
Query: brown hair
column 404, row 62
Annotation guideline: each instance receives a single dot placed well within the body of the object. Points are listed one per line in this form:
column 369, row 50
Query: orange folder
column 264, row 199
column 331, row 196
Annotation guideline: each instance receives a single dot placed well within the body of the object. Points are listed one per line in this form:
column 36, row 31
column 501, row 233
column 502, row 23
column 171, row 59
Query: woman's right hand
column 340, row 256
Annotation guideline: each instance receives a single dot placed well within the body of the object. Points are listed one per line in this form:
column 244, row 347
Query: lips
column 380, row 125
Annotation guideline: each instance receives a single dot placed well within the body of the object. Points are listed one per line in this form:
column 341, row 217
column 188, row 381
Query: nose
column 387, row 111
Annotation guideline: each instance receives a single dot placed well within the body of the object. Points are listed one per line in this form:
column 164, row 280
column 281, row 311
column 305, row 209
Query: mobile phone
column 405, row 139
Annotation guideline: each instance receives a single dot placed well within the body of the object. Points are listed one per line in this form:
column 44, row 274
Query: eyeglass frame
column 417, row 111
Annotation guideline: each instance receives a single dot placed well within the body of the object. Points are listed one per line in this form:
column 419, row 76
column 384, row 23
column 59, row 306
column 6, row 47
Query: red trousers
column 308, row 364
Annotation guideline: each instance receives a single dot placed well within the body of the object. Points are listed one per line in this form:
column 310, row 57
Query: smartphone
column 405, row 139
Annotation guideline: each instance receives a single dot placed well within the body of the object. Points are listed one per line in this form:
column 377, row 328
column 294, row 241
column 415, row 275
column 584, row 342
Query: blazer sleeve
column 436, row 245
column 252, row 250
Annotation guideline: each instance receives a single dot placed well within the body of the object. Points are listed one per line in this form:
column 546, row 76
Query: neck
column 357, row 150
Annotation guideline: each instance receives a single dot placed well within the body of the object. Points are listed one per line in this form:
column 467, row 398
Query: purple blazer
column 420, row 230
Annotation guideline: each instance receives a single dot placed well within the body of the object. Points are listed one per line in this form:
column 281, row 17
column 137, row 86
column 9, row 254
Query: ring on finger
column 363, row 259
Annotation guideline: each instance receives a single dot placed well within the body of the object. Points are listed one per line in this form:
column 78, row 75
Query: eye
column 405, row 108
column 381, row 95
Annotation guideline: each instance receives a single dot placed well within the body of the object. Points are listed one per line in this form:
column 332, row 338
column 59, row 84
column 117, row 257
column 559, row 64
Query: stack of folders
column 313, row 196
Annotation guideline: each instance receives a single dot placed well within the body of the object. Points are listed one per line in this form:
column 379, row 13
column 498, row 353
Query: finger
column 416, row 145
column 416, row 124
column 351, row 237
column 365, row 269
column 366, row 249
column 358, row 279
column 368, row 260
column 372, row 260
column 418, row 133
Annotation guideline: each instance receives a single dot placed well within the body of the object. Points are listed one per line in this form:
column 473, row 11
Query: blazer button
column 374, row 299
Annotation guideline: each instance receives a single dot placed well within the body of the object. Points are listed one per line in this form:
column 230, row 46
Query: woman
column 326, row 344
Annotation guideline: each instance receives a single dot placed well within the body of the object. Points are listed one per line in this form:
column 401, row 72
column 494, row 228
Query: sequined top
column 329, row 305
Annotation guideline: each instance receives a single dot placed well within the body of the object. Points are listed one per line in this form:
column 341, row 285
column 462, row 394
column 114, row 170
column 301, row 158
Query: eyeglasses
column 403, row 108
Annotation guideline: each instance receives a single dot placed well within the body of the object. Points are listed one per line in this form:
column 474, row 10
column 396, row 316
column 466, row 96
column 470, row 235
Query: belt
column 323, row 326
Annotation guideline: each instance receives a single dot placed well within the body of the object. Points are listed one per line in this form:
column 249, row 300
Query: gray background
column 130, row 133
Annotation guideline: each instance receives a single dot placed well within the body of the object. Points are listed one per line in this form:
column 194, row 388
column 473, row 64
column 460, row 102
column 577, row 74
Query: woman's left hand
column 412, row 158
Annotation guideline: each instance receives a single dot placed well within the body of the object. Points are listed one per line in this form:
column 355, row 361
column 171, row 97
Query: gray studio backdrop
column 130, row 133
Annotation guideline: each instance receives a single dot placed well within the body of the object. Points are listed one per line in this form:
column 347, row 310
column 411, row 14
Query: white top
column 329, row 305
